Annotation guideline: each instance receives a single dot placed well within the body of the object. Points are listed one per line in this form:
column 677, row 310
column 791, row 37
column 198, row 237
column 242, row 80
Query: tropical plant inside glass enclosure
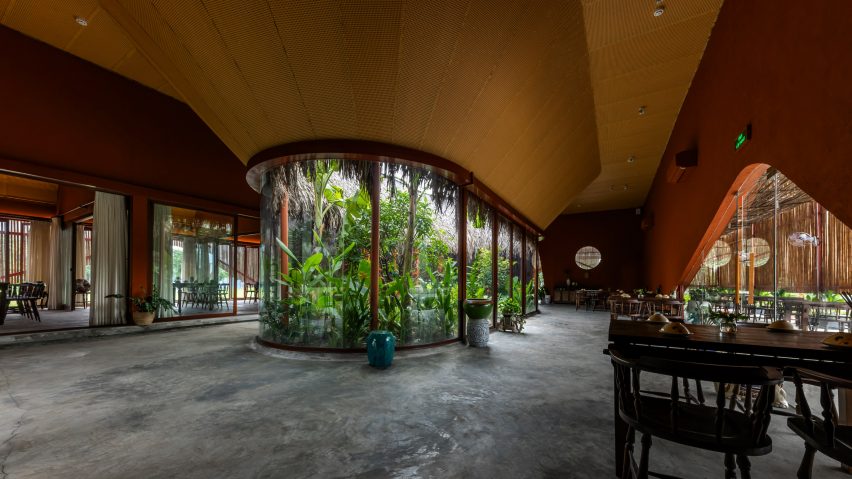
column 316, row 276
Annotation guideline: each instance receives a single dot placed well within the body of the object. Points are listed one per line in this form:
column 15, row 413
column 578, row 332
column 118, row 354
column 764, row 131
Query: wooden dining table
column 749, row 346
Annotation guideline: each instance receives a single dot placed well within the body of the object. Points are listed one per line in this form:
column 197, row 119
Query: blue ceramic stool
column 380, row 348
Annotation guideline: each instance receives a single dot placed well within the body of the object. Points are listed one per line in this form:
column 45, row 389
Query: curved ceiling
column 509, row 90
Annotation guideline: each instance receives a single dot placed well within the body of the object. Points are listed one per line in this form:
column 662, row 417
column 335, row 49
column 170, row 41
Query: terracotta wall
column 618, row 236
column 785, row 69
column 64, row 118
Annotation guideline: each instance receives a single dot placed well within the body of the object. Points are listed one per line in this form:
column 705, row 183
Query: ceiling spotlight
column 661, row 9
column 81, row 21
column 631, row 159
column 642, row 110
column 626, row 187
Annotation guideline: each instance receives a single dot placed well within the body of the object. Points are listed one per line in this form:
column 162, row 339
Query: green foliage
column 328, row 300
column 509, row 307
column 147, row 303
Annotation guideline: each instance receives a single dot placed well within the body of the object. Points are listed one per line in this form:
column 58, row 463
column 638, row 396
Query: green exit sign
column 743, row 137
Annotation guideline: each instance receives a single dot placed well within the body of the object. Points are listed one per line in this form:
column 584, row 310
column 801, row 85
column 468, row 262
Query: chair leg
column 627, row 461
column 643, row 461
column 807, row 465
column 744, row 465
column 730, row 467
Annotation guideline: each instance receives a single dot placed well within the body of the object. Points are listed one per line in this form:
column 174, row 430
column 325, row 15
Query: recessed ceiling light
column 631, row 159
column 642, row 110
column 661, row 9
column 81, row 21
column 626, row 187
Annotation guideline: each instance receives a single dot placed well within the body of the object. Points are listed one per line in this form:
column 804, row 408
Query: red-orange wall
column 618, row 236
column 66, row 119
column 784, row 67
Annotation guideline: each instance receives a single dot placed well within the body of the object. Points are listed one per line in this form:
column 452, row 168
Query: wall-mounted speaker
column 683, row 160
column 686, row 159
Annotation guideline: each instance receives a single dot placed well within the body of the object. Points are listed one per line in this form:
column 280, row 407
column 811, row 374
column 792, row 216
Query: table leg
column 844, row 398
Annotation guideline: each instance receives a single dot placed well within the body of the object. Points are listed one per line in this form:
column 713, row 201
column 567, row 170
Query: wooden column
column 495, row 258
column 511, row 258
column 523, row 274
column 536, row 265
column 375, row 199
column 462, row 219
column 284, row 236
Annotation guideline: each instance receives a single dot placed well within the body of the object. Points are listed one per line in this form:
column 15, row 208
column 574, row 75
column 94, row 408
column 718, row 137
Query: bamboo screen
column 798, row 268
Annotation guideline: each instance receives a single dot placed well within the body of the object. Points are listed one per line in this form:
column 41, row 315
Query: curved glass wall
column 418, row 237
column 529, row 274
column 316, row 254
column 479, row 258
column 504, row 258
column 315, row 271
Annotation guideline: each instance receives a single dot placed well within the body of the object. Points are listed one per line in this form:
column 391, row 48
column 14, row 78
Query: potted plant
column 146, row 306
column 509, row 308
column 727, row 321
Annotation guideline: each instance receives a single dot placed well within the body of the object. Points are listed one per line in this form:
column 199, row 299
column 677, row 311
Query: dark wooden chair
column 820, row 434
column 634, row 309
column 675, row 418
column 250, row 292
column 82, row 288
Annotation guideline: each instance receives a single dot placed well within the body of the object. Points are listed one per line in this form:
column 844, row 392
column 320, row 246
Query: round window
column 762, row 251
column 718, row 256
column 588, row 257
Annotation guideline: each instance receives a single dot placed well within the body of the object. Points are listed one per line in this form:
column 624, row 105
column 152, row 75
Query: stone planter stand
column 478, row 313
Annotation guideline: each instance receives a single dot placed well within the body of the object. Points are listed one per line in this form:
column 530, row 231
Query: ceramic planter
column 141, row 318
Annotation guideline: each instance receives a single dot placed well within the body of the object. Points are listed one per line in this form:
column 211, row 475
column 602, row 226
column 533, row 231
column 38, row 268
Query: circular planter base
column 477, row 332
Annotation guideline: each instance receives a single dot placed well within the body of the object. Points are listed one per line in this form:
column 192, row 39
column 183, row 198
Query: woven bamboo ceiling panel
column 510, row 91
column 637, row 59
column 101, row 42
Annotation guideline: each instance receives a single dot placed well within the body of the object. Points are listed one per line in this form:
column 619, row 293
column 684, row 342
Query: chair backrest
column 631, row 395
column 82, row 286
column 827, row 384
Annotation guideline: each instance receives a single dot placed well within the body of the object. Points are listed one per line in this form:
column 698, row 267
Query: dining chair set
column 737, row 430
column 23, row 299
column 206, row 295
column 638, row 309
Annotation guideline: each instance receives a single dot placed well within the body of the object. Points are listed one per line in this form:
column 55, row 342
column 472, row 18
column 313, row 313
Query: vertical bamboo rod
column 751, row 277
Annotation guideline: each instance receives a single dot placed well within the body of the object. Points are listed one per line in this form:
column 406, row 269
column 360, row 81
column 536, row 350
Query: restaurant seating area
column 405, row 239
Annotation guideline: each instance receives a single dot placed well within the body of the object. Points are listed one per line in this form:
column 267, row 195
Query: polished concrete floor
column 199, row 403
column 50, row 320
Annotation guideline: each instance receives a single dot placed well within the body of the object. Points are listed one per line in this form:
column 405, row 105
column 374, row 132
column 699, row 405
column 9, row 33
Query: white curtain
column 60, row 265
column 109, row 259
column 38, row 245
column 80, row 252
column 203, row 262
column 190, row 261
column 252, row 263
column 162, row 257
